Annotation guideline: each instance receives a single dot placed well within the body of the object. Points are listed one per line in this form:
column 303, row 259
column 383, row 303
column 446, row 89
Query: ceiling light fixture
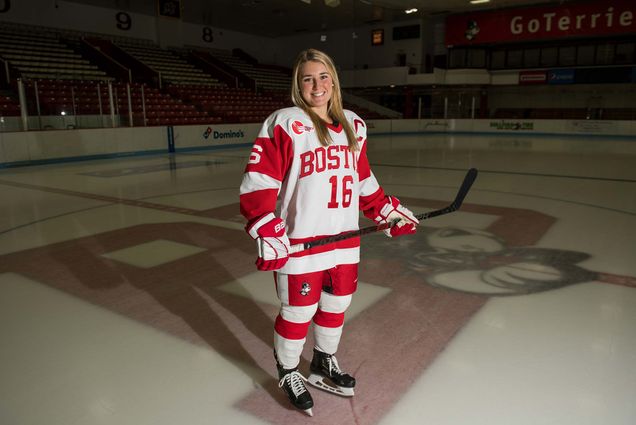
column 332, row 3
column 479, row 1
column 409, row 11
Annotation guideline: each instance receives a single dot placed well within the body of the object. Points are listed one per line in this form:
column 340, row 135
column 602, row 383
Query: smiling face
column 316, row 86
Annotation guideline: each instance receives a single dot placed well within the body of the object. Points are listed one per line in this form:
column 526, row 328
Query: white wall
column 78, row 17
column 400, row 76
column 264, row 49
column 21, row 148
column 564, row 96
column 194, row 137
column 34, row 146
column 374, row 77
column 352, row 49
column 167, row 32
column 606, row 128
column 466, row 134
column 47, row 145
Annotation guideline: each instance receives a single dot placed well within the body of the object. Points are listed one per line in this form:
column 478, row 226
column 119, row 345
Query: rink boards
column 37, row 147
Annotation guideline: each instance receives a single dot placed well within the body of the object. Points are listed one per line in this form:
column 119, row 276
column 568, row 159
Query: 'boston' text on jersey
column 326, row 158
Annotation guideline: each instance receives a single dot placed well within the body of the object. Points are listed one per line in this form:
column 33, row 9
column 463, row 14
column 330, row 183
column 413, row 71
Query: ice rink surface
column 128, row 292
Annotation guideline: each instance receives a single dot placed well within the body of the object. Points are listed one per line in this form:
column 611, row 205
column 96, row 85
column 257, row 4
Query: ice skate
column 326, row 375
column 293, row 383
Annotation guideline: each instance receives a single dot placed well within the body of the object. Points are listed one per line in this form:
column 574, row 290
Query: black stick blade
column 471, row 175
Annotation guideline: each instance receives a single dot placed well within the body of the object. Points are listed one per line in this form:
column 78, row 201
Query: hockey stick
column 471, row 175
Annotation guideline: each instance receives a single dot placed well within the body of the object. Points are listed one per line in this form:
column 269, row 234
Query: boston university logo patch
column 299, row 128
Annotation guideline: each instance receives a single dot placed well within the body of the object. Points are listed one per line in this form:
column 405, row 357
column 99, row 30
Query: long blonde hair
column 334, row 107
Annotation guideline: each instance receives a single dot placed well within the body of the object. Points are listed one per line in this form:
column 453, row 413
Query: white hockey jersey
column 317, row 190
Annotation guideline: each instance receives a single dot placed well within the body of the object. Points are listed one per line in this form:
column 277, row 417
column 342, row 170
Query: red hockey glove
column 392, row 211
column 272, row 242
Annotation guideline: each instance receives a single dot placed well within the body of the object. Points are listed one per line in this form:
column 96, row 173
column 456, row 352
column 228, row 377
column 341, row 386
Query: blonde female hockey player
column 306, row 178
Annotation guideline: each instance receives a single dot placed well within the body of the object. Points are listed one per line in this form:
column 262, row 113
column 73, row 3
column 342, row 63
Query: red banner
column 549, row 22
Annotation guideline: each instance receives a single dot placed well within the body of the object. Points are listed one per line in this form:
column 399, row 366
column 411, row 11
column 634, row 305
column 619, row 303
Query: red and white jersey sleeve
column 266, row 168
column 318, row 190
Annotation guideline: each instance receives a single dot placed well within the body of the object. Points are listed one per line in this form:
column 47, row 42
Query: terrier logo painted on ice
column 487, row 262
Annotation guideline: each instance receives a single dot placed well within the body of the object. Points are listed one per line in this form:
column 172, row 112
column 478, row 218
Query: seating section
column 233, row 105
column 92, row 98
column 510, row 113
column 618, row 114
column 9, row 106
column 266, row 78
column 563, row 113
column 43, row 54
column 69, row 83
column 173, row 68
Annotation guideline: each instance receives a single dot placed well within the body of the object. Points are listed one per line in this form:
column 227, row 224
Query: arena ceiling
column 278, row 18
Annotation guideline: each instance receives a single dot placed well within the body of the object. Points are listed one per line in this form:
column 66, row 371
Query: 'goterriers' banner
column 584, row 19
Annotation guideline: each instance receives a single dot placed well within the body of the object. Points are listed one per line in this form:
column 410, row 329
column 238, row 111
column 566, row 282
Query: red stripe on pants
column 290, row 330
column 329, row 320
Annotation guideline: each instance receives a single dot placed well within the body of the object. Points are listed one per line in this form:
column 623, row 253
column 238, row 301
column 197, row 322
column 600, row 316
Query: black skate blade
column 324, row 384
